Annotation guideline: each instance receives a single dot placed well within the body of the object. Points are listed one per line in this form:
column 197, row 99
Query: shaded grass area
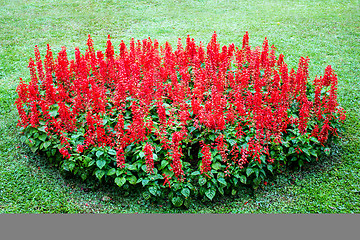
column 326, row 31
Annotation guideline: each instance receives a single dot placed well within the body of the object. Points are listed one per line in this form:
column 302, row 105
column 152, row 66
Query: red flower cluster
column 148, row 149
column 80, row 148
column 206, row 158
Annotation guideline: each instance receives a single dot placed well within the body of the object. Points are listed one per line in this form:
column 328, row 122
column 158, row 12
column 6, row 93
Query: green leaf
column 112, row 151
column 218, row 157
column 119, row 171
column 84, row 176
column 42, row 137
column 314, row 139
column 256, row 170
column 257, row 181
column 176, row 186
column 270, row 167
column 53, row 113
column 291, row 150
column 47, row 144
column 155, row 157
column 210, row 193
column 168, row 172
column 34, row 149
column 233, row 192
column 158, row 176
column 157, row 148
column 185, row 192
column 187, row 203
column 202, row 181
column 164, row 163
column 53, row 152
column 155, row 170
column 152, row 190
column 99, row 173
column 263, row 158
column 243, row 179
column 144, row 182
column 142, row 154
column 177, row 201
column 99, row 153
column 71, row 166
column 128, row 148
column 301, row 163
column 91, row 163
column 42, row 129
column 195, row 173
column 216, row 165
column 144, row 168
column 111, row 172
column 120, row 181
column 191, row 129
column 131, row 179
column 221, row 190
column 305, row 150
column 222, row 181
column 212, row 137
column 235, row 181
column 249, row 171
column 146, row 195
column 100, row 163
column 232, row 142
column 313, row 152
column 76, row 136
column 132, row 167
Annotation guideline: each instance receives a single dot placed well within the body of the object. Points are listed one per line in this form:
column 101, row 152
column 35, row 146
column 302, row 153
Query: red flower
column 65, row 152
column 80, row 148
column 120, row 159
column 148, row 149
column 166, row 180
column 206, row 158
column 176, row 163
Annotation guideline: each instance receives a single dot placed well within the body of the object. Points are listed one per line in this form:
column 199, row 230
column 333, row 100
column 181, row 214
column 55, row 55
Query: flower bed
column 181, row 124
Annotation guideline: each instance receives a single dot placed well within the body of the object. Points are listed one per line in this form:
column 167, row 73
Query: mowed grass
column 326, row 31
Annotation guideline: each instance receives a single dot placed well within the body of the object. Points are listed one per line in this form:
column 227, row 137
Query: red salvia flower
column 80, row 148
column 148, row 149
column 206, row 158
column 120, row 158
column 65, row 152
column 166, row 180
column 176, row 163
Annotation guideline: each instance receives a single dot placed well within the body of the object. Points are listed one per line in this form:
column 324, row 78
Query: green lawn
column 326, row 31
